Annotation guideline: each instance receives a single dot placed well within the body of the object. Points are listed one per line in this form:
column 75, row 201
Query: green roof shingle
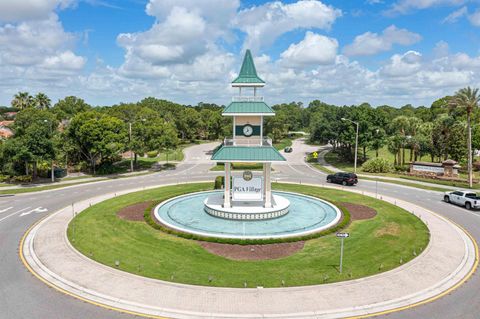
column 248, row 107
column 248, row 154
column 248, row 72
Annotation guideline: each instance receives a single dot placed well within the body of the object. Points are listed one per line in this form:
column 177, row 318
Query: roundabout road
column 23, row 296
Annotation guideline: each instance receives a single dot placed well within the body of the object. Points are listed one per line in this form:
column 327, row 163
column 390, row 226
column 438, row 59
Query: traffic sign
column 343, row 235
column 315, row 154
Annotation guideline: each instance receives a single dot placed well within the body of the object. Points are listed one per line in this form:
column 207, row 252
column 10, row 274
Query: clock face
column 247, row 130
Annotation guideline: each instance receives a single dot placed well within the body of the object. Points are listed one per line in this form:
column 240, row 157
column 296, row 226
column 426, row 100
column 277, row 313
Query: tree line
column 75, row 133
column 436, row 133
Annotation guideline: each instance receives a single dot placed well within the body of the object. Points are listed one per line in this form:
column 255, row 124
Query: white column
column 261, row 130
column 234, row 128
column 268, row 185
column 226, row 199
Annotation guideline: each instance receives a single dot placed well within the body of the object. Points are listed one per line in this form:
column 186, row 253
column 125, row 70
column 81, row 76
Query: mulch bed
column 359, row 212
column 134, row 212
column 248, row 252
column 253, row 252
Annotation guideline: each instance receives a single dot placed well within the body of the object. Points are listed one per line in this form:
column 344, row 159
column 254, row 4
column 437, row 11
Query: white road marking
column 300, row 172
column 36, row 210
column 18, row 211
column 4, row 210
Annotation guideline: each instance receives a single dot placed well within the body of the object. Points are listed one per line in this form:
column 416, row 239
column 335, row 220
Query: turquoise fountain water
column 306, row 215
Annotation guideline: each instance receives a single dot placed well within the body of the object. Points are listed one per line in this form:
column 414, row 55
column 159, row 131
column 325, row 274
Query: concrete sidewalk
column 448, row 260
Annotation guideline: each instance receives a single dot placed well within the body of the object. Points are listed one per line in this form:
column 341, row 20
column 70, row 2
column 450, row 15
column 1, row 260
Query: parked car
column 469, row 200
column 343, row 178
column 288, row 149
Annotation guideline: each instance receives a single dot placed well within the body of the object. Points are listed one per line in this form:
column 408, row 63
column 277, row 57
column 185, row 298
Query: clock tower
column 248, row 143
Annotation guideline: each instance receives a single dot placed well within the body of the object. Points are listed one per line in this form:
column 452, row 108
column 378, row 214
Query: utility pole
column 356, row 143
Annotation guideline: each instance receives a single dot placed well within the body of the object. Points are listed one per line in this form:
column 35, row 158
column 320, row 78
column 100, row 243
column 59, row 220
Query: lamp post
column 51, row 131
column 356, row 143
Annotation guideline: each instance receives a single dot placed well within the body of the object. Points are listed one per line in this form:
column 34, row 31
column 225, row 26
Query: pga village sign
column 247, row 187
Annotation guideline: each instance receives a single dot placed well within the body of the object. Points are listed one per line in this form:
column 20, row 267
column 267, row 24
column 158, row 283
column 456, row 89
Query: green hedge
column 219, row 182
column 343, row 224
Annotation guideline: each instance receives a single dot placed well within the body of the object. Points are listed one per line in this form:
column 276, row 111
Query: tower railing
column 247, row 99
column 251, row 141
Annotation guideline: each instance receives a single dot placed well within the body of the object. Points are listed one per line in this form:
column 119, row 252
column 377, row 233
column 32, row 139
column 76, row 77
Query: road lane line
column 18, row 211
column 5, row 209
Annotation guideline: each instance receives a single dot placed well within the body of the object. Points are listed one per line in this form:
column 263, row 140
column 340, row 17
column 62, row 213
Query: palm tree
column 42, row 101
column 467, row 99
column 22, row 100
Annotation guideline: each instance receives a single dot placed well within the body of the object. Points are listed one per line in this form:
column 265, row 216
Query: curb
column 41, row 272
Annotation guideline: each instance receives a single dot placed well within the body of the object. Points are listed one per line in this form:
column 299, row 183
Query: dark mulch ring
column 253, row 252
column 134, row 212
column 359, row 212
column 248, row 252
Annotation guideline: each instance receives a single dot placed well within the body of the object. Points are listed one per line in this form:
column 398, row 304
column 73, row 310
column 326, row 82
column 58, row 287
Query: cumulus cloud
column 313, row 49
column 177, row 39
column 264, row 24
column 184, row 36
column 371, row 43
column 20, row 10
column 407, row 6
column 38, row 42
column 402, row 64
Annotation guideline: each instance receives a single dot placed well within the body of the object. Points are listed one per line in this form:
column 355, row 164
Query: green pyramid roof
column 248, row 107
column 247, row 154
column 248, row 73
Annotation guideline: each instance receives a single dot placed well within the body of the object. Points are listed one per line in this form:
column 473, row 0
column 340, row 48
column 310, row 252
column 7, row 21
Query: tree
column 401, row 125
column 22, row 100
column 467, row 99
column 98, row 137
column 42, row 101
column 168, row 139
column 34, row 130
column 379, row 140
column 68, row 107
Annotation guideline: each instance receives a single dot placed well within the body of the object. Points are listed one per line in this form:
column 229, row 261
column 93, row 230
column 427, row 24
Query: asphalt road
column 24, row 296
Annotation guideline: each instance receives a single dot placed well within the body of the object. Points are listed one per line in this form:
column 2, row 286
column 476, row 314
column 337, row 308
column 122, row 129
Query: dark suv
column 343, row 178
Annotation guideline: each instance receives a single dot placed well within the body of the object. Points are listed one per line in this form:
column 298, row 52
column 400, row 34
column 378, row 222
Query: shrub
column 108, row 168
column 377, row 165
column 401, row 168
column 345, row 221
column 152, row 154
column 4, row 178
column 21, row 179
column 219, row 181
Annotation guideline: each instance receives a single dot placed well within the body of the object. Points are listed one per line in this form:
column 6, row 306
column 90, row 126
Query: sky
column 188, row 51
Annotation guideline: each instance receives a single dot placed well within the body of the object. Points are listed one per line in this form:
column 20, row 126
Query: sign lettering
column 247, row 190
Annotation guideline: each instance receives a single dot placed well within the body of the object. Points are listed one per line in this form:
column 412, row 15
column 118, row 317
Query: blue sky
column 342, row 52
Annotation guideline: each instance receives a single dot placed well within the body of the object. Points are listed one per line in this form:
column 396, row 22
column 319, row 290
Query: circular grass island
column 113, row 233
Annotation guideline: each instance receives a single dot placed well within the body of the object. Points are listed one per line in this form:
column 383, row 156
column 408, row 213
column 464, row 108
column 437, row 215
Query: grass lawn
column 286, row 142
column 239, row 167
column 37, row 189
column 27, row 189
column 375, row 245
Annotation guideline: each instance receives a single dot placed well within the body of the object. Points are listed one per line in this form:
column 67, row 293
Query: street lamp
column 356, row 143
column 51, row 131
column 130, row 136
